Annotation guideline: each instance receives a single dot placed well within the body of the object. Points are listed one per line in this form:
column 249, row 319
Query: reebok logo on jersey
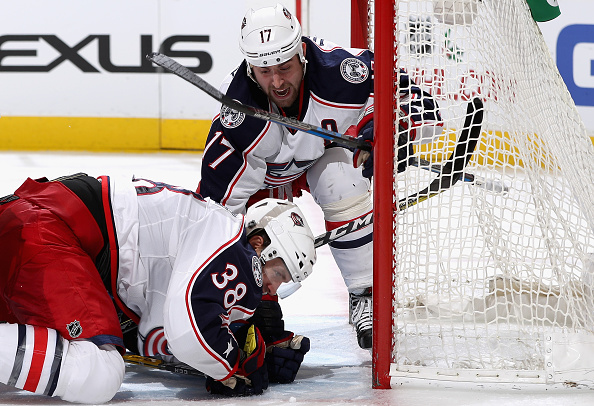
column 231, row 118
column 257, row 270
column 353, row 70
column 74, row 329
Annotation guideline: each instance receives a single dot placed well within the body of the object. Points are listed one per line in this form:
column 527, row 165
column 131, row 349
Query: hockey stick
column 186, row 74
column 454, row 165
column 342, row 139
column 451, row 172
column 490, row 185
column 343, row 230
column 178, row 368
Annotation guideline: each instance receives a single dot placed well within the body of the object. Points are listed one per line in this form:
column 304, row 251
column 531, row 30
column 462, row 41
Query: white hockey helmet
column 290, row 236
column 270, row 36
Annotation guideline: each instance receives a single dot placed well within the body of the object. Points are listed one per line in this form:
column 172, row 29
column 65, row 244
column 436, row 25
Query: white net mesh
column 493, row 279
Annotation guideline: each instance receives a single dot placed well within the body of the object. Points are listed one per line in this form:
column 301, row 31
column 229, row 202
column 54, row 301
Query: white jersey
column 244, row 154
column 185, row 273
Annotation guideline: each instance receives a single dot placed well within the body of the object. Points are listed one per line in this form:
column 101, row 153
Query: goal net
column 491, row 280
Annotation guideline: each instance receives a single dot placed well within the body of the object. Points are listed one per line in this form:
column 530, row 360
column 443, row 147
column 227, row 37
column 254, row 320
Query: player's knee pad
column 334, row 178
column 346, row 209
column 90, row 374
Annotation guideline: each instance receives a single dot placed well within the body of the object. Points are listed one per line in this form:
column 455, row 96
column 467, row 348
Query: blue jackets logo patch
column 353, row 70
column 257, row 269
column 231, row 118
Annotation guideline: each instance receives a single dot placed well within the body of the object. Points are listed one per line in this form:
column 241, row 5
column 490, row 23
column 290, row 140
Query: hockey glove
column 361, row 157
column 251, row 377
column 285, row 351
column 284, row 357
column 268, row 317
column 405, row 148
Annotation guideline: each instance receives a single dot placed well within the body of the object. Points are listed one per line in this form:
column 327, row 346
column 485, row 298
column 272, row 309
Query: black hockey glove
column 268, row 317
column 405, row 149
column 284, row 357
column 285, row 351
column 251, row 377
column 361, row 157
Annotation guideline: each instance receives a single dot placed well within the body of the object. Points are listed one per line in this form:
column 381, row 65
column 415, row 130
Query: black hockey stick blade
column 178, row 368
column 491, row 185
column 452, row 170
column 183, row 72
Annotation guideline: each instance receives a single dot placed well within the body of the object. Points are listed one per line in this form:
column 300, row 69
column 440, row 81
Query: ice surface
column 335, row 372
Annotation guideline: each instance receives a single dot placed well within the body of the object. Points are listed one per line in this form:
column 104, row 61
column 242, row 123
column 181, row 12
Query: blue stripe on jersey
column 55, row 368
column 159, row 186
column 99, row 340
column 359, row 242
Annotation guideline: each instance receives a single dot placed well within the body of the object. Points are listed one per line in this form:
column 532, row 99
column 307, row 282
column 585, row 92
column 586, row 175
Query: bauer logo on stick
column 353, row 70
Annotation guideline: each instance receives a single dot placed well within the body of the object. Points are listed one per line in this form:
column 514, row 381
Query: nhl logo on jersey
column 74, row 329
column 353, row 70
column 257, row 269
column 297, row 220
column 231, row 118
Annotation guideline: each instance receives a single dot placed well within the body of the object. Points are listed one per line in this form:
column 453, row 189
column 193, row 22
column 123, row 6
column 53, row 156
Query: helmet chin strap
column 250, row 73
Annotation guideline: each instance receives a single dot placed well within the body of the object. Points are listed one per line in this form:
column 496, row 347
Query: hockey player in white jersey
column 320, row 83
column 186, row 270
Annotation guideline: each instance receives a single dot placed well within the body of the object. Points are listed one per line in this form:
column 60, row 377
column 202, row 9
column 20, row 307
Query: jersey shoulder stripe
column 336, row 75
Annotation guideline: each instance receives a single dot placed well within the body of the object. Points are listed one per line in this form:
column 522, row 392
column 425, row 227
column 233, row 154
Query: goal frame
column 384, row 210
column 379, row 22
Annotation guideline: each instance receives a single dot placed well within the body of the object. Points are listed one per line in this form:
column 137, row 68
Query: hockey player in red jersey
column 320, row 83
column 186, row 270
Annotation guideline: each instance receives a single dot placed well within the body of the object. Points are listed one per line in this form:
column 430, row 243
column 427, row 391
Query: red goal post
column 478, row 285
column 362, row 21
column 385, row 123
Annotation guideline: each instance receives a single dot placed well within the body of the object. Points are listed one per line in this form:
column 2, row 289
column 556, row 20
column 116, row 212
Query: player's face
column 274, row 272
column 281, row 83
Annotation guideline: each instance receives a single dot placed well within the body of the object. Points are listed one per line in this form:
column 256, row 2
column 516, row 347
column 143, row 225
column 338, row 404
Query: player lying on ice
column 320, row 83
column 185, row 269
